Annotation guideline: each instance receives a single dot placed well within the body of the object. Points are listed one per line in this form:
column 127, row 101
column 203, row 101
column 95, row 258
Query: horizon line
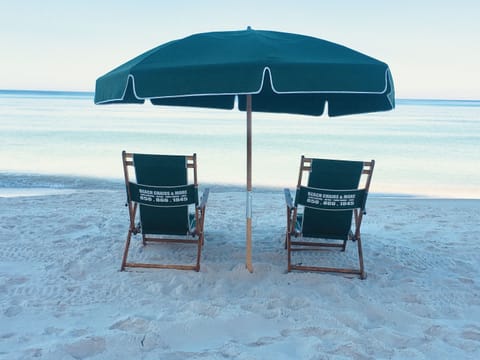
column 92, row 93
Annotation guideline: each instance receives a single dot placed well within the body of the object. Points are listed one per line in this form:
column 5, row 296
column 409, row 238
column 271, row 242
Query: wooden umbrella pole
column 249, row 184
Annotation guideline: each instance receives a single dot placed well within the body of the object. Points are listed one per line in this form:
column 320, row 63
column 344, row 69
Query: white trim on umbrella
column 265, row 70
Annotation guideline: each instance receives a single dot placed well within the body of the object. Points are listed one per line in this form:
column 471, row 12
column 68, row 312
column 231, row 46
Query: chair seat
column 319, row 235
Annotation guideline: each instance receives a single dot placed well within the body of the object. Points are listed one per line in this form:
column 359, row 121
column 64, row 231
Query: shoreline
column 216, row 188
column 41, row 191
column 13, row 192
column 13, row 184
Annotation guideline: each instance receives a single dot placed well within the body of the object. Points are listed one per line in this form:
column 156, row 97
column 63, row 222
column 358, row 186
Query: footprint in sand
column 132, row 324
column 87, row 347
column 12, row 311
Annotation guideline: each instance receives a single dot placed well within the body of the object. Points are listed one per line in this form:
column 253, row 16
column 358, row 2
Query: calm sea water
column 64, row 141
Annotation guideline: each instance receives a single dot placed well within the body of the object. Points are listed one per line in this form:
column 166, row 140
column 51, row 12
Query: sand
column 62, row 295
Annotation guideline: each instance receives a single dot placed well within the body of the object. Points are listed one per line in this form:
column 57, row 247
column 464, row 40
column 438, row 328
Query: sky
column 431, row 46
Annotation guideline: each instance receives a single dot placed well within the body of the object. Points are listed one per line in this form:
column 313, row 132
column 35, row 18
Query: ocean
column 61, row 141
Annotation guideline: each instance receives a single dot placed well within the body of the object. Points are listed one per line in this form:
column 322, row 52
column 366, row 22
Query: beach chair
column 169, row 208
column 320, row 217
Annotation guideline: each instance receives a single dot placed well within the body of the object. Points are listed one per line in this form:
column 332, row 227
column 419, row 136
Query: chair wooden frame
column 197, row 235
column 304, row 245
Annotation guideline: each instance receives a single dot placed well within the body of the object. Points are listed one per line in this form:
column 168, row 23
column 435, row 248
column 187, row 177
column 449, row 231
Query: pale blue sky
column 432, row 47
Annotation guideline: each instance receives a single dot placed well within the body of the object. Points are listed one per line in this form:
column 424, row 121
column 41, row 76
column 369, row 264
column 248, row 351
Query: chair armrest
column 204, row 199
column 288, row 198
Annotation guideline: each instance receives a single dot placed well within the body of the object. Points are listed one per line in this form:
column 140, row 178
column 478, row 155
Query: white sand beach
column 62, row 295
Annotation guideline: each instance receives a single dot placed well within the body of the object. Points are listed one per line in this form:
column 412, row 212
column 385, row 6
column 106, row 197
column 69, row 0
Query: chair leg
column 289, row 250
column 363, row 275
column 289, row 225
column 202, row 223
column 125, row 252
column 199, row 251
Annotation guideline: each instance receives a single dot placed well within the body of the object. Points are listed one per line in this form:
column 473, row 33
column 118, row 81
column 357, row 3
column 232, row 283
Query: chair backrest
column 163, row 173
column 333, row 176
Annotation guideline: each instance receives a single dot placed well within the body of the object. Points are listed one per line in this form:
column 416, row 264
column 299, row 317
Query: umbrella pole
column 249, row 184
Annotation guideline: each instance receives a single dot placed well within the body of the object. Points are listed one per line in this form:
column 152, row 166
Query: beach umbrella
column 265, row 71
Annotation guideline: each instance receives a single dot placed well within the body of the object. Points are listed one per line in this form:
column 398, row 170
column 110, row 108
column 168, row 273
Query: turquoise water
column 63, row 140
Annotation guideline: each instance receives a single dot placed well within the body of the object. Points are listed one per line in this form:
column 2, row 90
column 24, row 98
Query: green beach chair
column 164, row 198
column 320, row 217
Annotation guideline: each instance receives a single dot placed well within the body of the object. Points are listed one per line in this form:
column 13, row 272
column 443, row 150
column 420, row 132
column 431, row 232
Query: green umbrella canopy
column 284, row 73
